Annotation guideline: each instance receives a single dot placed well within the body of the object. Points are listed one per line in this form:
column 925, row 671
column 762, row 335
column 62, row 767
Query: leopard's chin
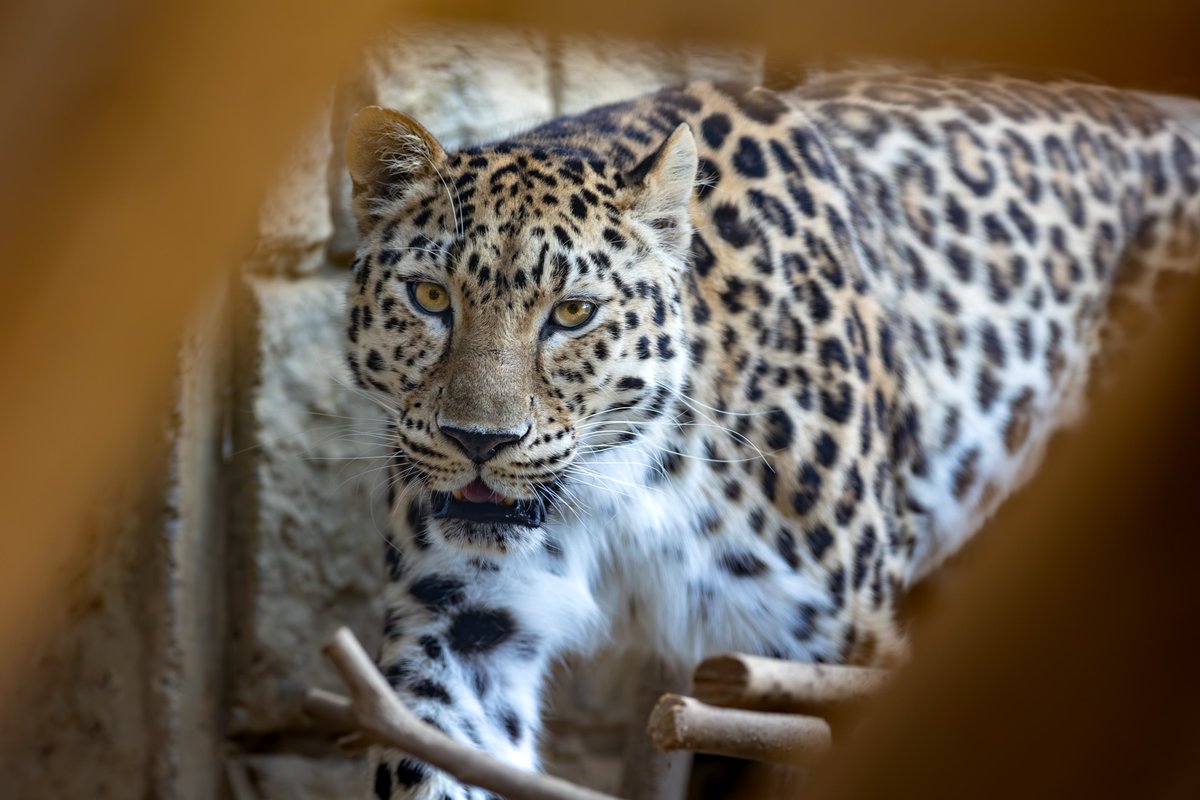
column 478, row 519
column 489, row 538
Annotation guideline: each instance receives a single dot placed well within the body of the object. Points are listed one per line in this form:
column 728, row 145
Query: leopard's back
column 1015, row 219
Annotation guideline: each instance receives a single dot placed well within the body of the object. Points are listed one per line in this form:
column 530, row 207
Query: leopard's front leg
column 466, row 647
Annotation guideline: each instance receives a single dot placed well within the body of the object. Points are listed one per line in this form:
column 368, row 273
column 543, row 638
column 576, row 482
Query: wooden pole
column 679, row 722
column 769, row 684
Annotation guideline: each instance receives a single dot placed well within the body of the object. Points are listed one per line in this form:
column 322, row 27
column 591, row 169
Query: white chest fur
column 647, row 551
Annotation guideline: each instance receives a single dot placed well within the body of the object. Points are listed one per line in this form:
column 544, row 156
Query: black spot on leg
column 471, row 731
column 410, row 772
column 432, row 647
column 383, row 782
column 965, row 473
column 512, row 725
column 478, row 630
column 743, row 564
column 438, row 593
column 805, row 622
column 397, row 673
column 481, row 682
column 785, row 544
column 431, row 690
column 433, row 723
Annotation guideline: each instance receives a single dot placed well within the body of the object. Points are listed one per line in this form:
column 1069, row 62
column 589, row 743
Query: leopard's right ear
column 386, row 152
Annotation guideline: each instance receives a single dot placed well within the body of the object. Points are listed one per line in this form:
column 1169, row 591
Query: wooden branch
column 684, row 723
column 376, row 712
column 769, row 684
column 330, row 708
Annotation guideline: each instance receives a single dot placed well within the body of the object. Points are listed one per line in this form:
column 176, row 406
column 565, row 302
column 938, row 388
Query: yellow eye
column 429, row 297
column 572, row 313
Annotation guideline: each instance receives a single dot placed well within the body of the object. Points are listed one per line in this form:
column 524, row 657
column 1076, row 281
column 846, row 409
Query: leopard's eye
column 572, row 313
column 429, row 297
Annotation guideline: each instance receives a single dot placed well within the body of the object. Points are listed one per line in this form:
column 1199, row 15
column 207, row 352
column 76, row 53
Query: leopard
column 726, row 368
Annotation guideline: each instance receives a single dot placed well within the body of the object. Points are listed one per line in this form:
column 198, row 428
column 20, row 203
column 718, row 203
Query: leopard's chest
column 679, row 566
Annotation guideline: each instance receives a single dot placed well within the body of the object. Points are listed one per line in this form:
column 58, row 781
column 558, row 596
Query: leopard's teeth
column 509, row 501
column 457, row 494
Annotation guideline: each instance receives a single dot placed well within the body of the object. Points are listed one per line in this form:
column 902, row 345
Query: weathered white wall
column 193, row 629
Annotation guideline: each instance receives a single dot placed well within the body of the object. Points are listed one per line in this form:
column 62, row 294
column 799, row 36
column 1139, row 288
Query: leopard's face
column 519, row 310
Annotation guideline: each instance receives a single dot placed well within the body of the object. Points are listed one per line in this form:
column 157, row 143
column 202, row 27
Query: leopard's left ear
column 386, row 153
column 663, row 185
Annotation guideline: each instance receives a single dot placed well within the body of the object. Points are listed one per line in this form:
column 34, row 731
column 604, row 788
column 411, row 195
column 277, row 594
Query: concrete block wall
column 195, row 628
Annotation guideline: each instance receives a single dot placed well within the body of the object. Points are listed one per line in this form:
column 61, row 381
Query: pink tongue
column 478, row 492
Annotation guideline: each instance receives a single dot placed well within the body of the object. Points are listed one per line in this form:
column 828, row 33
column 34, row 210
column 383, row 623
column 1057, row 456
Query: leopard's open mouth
column 476, row 502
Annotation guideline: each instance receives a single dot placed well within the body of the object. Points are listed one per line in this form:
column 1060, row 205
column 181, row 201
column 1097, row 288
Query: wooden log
column 769, row 684
column 684, row 723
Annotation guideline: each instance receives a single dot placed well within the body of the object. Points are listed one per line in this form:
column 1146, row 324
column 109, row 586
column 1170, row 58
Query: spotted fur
column 834, row 330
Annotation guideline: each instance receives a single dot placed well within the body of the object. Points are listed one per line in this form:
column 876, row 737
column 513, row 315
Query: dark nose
column 480, row 445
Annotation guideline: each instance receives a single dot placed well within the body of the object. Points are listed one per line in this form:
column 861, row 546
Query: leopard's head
column 519, row 306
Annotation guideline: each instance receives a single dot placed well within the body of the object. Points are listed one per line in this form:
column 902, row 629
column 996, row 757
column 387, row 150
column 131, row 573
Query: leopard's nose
column 480, row 445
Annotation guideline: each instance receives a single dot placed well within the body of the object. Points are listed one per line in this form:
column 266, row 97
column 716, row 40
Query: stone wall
column 194, row 624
